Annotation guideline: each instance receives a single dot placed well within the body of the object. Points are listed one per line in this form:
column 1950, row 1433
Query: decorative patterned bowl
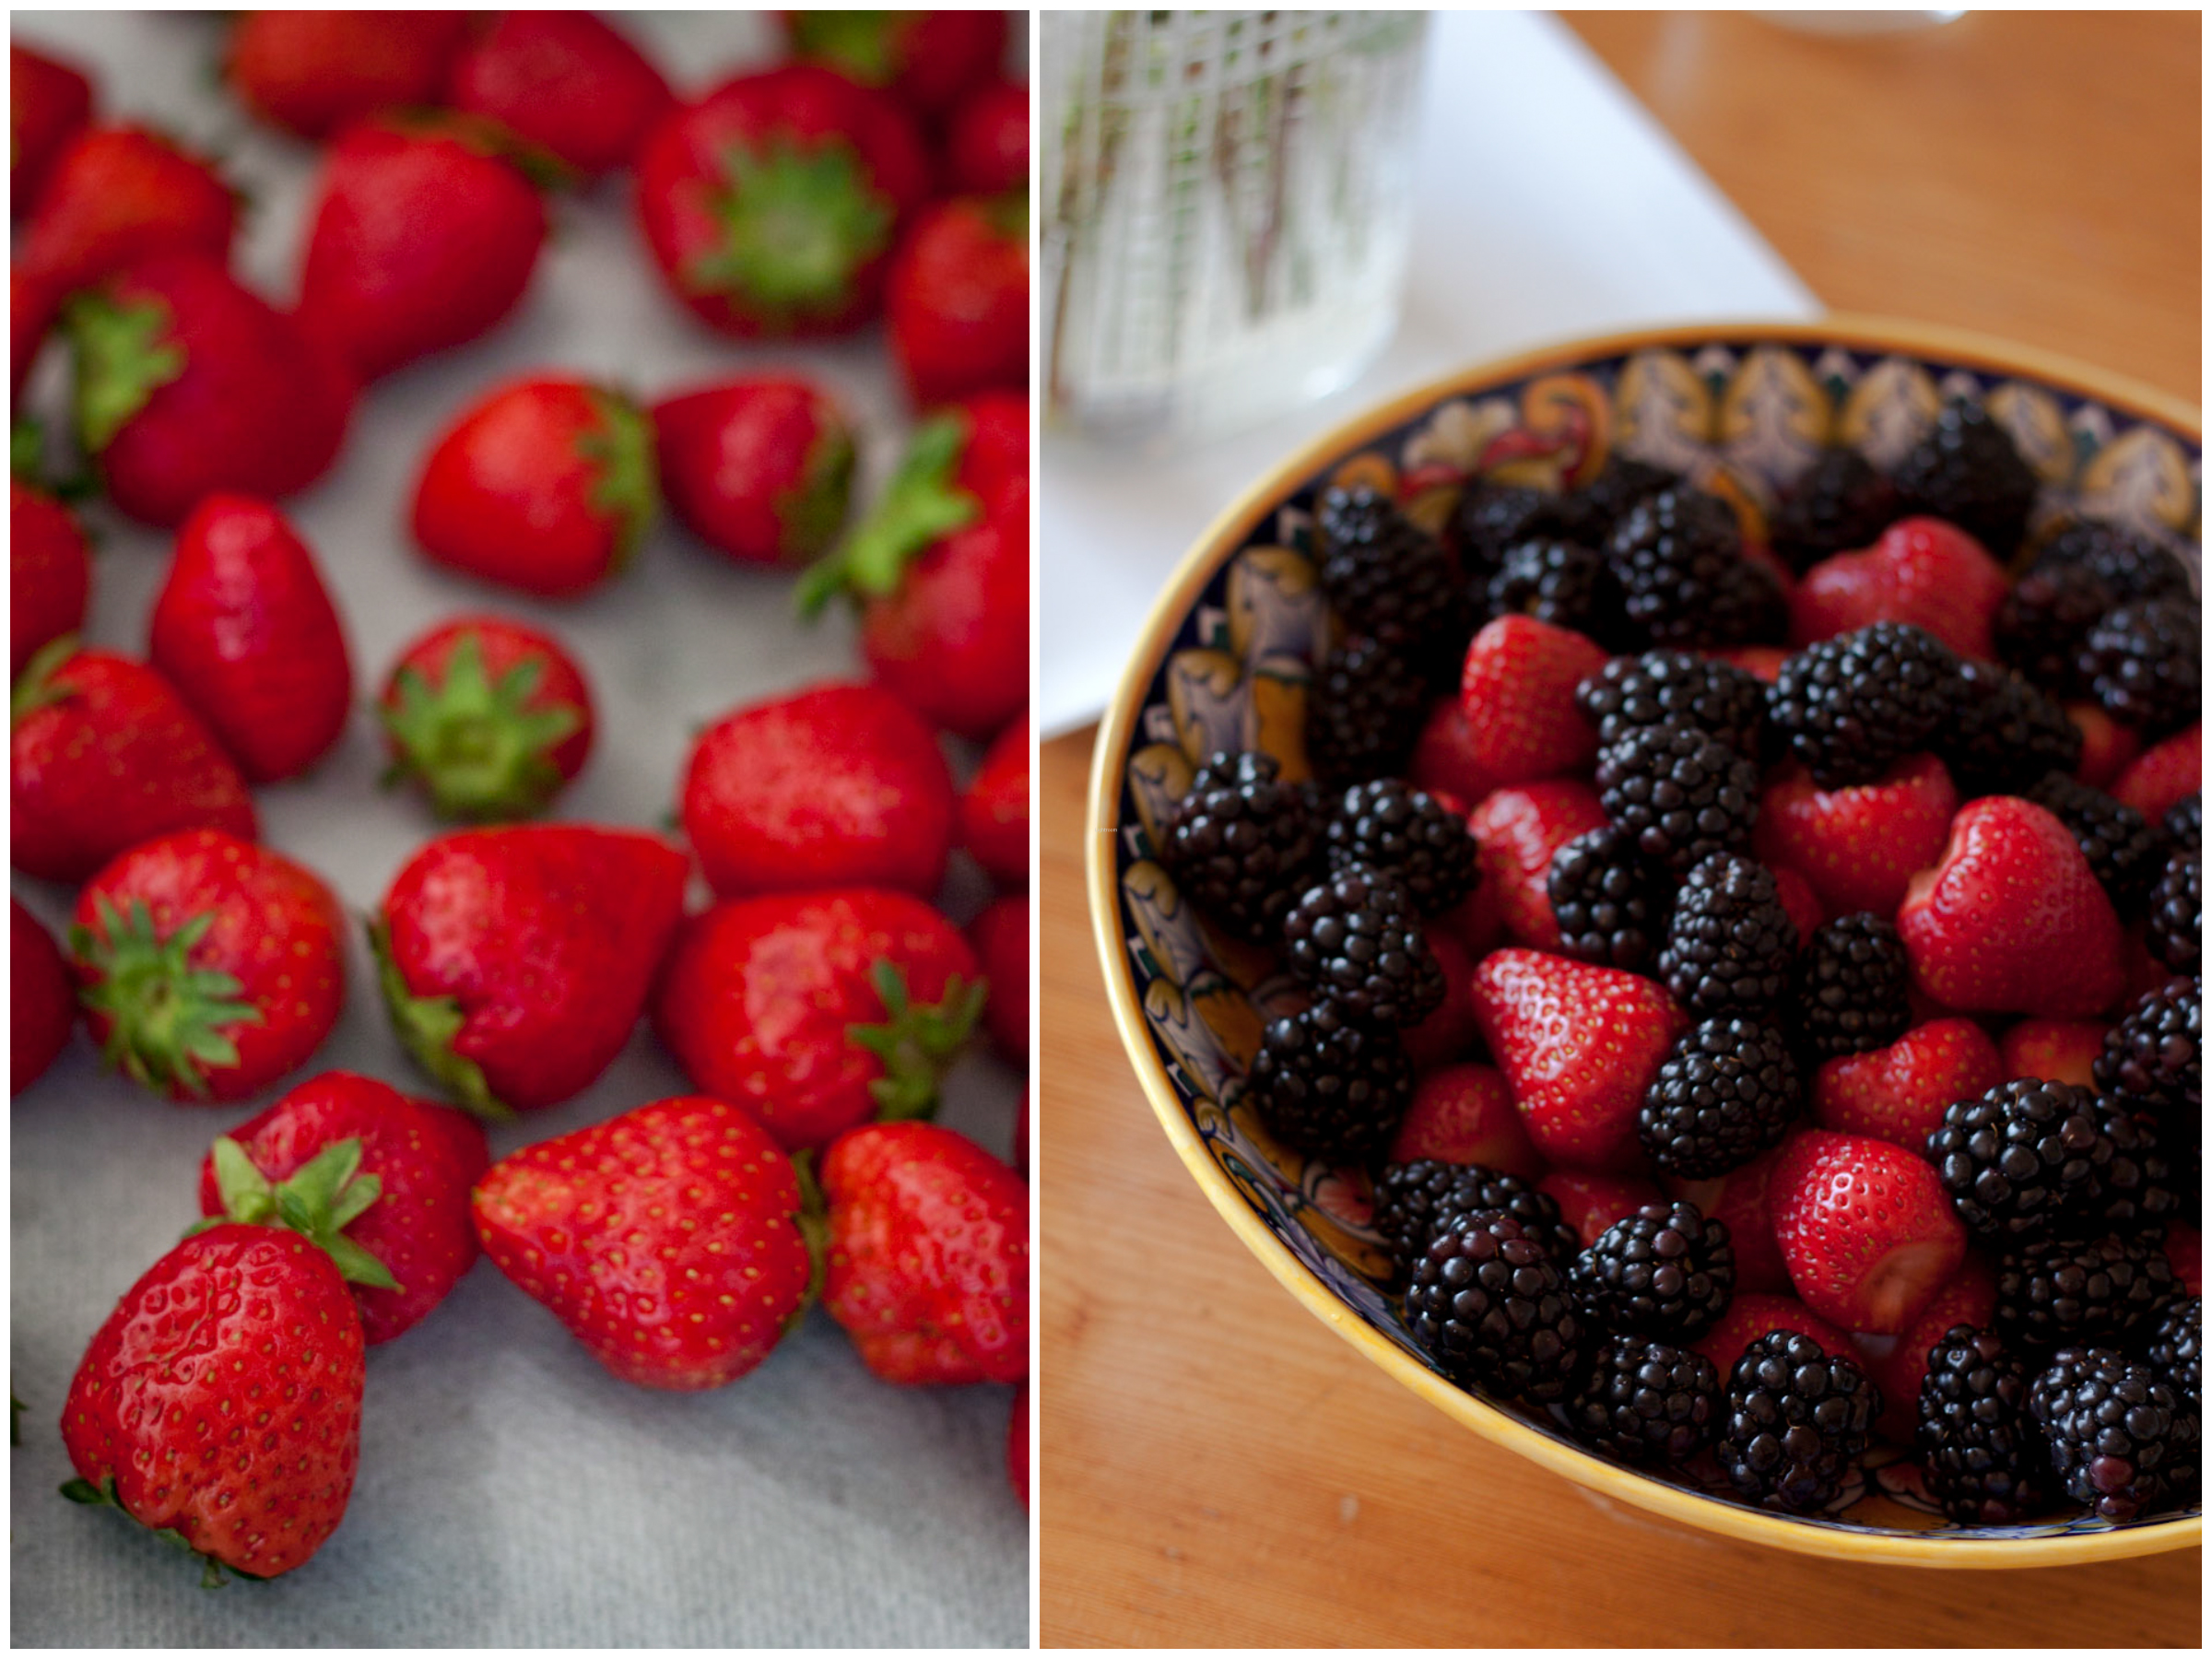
column 1225, row 661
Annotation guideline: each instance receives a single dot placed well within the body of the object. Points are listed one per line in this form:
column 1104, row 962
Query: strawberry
column 284, row 1168
column 2059, row 1051
column 1796, row 896
column 104, row 755
column 994, row 807
column 2108, row 748
column 311, row 72
column 1753, row 1314
column 49, row 575
column 1866, row 1229
column 564, row 82
column 987, row 143
column 1921, row 570
column 116, row 194
column 1579, row 1045
column 959, row 299
column 1018, row 1445
column 515, row 961
column 1517, row 687
column 187, row 383
column 237, row 1327
column 246, row 631
column 1900, row 1367
column 669, row 1240
column 546, row 485
column 48, row 101
column 1517, row 829
column 208, row 967
column 1447, row 1032
column 1000, row 936
column 1740, row 1201
column 1444, row 756
column 816, row 1011
column 928, row 1255
column 930, row 59
column 2012, row 920
column 772, row 204
column 761, row 468
column 1464, row 1114
column 30, row 313
column 1761, row 662
column 1860, row 847
column 2185, row 1250
column 2166, row 772
column 489, row 717
column 835, row 785
column 1899, row 1093
column 41, row 1001
column 1590, row 1204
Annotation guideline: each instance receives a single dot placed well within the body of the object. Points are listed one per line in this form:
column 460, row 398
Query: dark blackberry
column 1412, row 1200
column 1966, row 469
column 2043, row 622
column 1242, row 844
column 1851, row 977
column 1675, row 687
column 1489, row 518
column 1679, row 557
column 2174, row 925
column 2120, row 1440
column 2141, row 662
column 2144, row 1187
column 1682, row 796
column 1646, row 1402
column 2031, row 1159
column 1609, row 901
column 1387, row 576
column 1666, row 1271
column 1726, row 1091
column 1408, row 834
column 1489, row 1304
column 2125, row 853
column 1981, row 1455
column 2126, row 563
column 2184, row 822
column 2007, row 734
column 2154, row 1056
column 1838, row 504
column 1356, row 939
column 1364, row 711
column 1327, row 1085
column 1561, row 582
column 1795, row 1421
column 1593, row 511
column 2176, row 1349
column 1730, row 944
column 1854, row 706
column 2055, row 1291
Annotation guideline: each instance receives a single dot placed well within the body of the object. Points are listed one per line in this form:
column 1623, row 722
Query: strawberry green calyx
column 213, row 1573
column 916, row 1043
column 812, row 1220
column 168, row 1019
column 34, row 688
column 478, row 747
column 864, row 44
column 318, row 1200
column 628, row 484
column 122, row 355
column 923, row 505
column 813, row 511
column 427, row 1026
column 797, row 223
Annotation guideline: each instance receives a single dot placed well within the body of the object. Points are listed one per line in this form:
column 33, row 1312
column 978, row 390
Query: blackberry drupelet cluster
column 1666, row 1271
column 2053, row 1292
column 2175, row 922
column 1242, row 844
column 1835, row 505
column 2033, row 1159
column 1679, row 557
column 2125, row 853
column 1966, row 469
column 1609, row 901
column 1730, row 944
column 2141, row 662
column 2007, row 734
column 2176, row 1349
column 2043, row 622
column 1646, row 1402
column 1852, row 980
column 1329, row 1085
column 1681, row 795
column 1364, row 711
column 2154, row 1056
column 1490, row 1306
column 1561, row 582
column 1593, row 511
column 1795, row 1420
column 1675, row 687
column 1388, row 578
column 1852, row 706
column 1355, row 938
column 1981, row 1452
column 1726, row 1091
column 1412, row 1200
column 1491, row 518
column 2184, row 822
column 2120, row 1440
column 2120, row 558
column 1388, row 825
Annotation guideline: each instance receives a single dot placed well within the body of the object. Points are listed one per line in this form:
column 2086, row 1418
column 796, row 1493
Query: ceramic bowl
column 1224, row 664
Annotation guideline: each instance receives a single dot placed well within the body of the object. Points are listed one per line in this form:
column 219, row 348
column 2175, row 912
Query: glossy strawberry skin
column 116, row 194
column 1000, row 935
column 1752, row 1314
column 2108, row 748
column 1899, row 1369
column 1591, row 1203
column 994, row 807
column 1899, row 1093
column 48, row 101
column 50, row 573
column 1866, row 1229
column 311, row 72
column 987, row 145
column 42, row 1000
column 2058, row 1050
column 2159, row 777
column 760, row 468
column 1922, row 572
column 930, row 60
column 1517, row 829
column 958, row 301
column 1446, row 756
column 1517, row 687
column 564, row 82
column 1464, row 1114
column 1740, row 1201
column 1860, row 847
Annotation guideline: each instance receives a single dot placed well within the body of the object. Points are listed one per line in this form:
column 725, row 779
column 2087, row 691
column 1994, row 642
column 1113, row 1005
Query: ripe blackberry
column 1327, row 1085
column 2043, row 622
column 1966, row 469
column 1837, row 504
column 1412, row 1200
column 2007, row 734
column 2174, row 925
column 1795, row 1420
column 1364, row 711
column 1356, row 940
column 1646, row 1402
column 2154, row 1055
column 2052, row 1292
column 1593, row 511
column 1561, row 582
column 1679, row 556
column 2141, row 661
column 2121, row 1439
column 1982, row 1455
column 2124, row 851
column 1487, row 1303
column 1726, row 1092
column 1242, row 844
column 1682, row 796
column 1851, row 707
column 1675, row 687
column 1665, row 1271
column 1408, row 834
column 2184, row 822
column 1489, row 518
column 1387, row 576
column 1730, row 944
column 1851, row 978
column 2176, row 1349
column 1609, row 901
column 2120, row 558
column 2032, row 1159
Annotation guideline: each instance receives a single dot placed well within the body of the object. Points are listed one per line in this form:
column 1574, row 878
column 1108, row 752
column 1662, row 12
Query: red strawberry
column 1900, row 1367
column 1517, row 689
column 761, row 468
column 30, row 311
column 2108, row 748
column 1001, row 938
column 668, row 1240
column 1464, row 1114
column 987, row 145
column 2185, row 1251
column 2059, row 1051
column 116, row 194
column 1899, row 1093
column 246, row 631
column 1762, row 662
column 930, row 59
column 1516, row 830
column 187, row 384
column 49, row 575
column 546, row 485
column 1806, row 912
column 1751, row 1315
column 929, row 1255
column 817, row 1011
column 515, row 961
column 564, row 82
column 772, row 205
column 284, row 1166
column 41, row 1001
column 220, row 1403
column 1448, row 1031
column 1445, row 756
column 491, row 718
column 1922, row 571
column 1018, row 1445
column 1740, row 1201
column 1590, row 1204
column 1580, row 1045
column 104, row 755
column 995, row 809
column 1859, row 847
column 311, row 72
column 48, row 101
column 1866, row 1229
column 2166, row 772
column 2012, row 920
column 959, row 299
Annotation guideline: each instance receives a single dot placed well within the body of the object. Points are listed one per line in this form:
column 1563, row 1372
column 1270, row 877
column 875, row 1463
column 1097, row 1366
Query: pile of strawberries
column 816, row 1001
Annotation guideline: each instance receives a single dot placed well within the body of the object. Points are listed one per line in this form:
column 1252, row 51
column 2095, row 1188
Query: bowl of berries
column 1656, row 885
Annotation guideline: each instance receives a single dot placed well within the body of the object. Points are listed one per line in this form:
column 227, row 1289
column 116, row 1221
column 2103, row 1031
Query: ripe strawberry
column 761, row 468
column 1899, row 1093
column 2158, row 778
column 1751, row 1315
column 117, row 194
column 1445, row 757
column 1001, row 937
column 104, row 755
column 1866, row 1229
column 2108, row 748
column 247, row 633
column 995, row 809
column 564, row 82
column 2059, row 1051
column 669, row 1240
column 1763, row 662
column 772, row 204
column 1590, row 1204
column 1018, row 1445
column 41, row 1001
column 2185, row 1250
column 1860, row 847
column 546, row 485
column 1464, row 1114
column 1921, row 570
column 311, row 72
column 1516, row 830
column 1517, row 689
column 49, row 575
column 187, row 384
column 929, row 59
column 987, row 145
column 1796, row 896
column 1900, row 1367
column 2012, row 920
column 1448, row 1031
column 928, row 1255
column 490, row 718
column 48, row 101
column 1740, row 1201
column 817, row 1011
column 959, row 299
column 1579, row 1045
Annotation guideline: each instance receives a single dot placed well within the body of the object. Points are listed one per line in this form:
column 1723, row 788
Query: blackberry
column 2120, row 1440
column 1966, row 469
column 1982, row 1455
column 1387, row 576
column 1851, row 707
column 1646, row 1402
column 1668, row 1270
column 1356, row 940
column 2031, row 1159
column 1679, row 557
column 1593, row 511
column 1364, row 711
column 2055, row 1291
column 2184, row 822
column 1609, row 901
column 1851, row 977
column 1675, row 687
column 2125, row 853
column 2176, row 1349
column 1408, row 834
column 2154, row 1055
column 1242, row 844
column 2043, row 622
column 2176, row 924
column 1489, row 518
column 1561, row 582
column 1837, row 504
column 2141, row 661
column 1412, row 1200
column 1490, row 1307
column 1681, row 795
column 2126, row 563
column 1795, row 1421
column 1325, row 1084
column 2007, row 734
column 1730, row 945
column 1726, row 1092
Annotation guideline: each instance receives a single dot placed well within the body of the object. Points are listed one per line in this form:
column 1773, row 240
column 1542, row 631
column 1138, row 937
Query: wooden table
column 1217, row 1468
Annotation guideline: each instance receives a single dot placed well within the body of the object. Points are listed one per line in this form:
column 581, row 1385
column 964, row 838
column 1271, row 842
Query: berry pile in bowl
column 1657, row 888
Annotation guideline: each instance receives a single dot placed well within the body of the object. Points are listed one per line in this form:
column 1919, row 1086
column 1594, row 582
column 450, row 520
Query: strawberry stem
column 168, row 1019
column 628, row 484
column 797, row 223
column 917, row 1043
column 477, row 746
column 427, row 1026
column 923, row 505
column 34, row 686
column 318, row 1200
column 812, row 1220
column 213, row 1572
column 121, row 356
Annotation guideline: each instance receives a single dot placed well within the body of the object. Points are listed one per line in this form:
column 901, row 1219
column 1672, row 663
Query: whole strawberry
column 564, row 82
column 208, row 967
column 1860, row 845
column 929, row 59
column 987, row 145
column 994, row 807
column 928, row 1255
column 514, row 961
column 311, row 72
column 49, row 573
column 1921, row 570
column 1866, row 1231
column 42, row 1000
column 2162, row 774
column 119, row 194
column 1517, row 687
column 959, row 299
column 1518, row 831
column 1899, row 1093
column 761, row 468
column 669, row 1240
column 247, row 633
column 546, row 485
column 48, row 101
column 492, row 718
column 221, row 1402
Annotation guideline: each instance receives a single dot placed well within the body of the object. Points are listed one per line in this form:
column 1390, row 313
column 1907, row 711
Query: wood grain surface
column 1217, row 1468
